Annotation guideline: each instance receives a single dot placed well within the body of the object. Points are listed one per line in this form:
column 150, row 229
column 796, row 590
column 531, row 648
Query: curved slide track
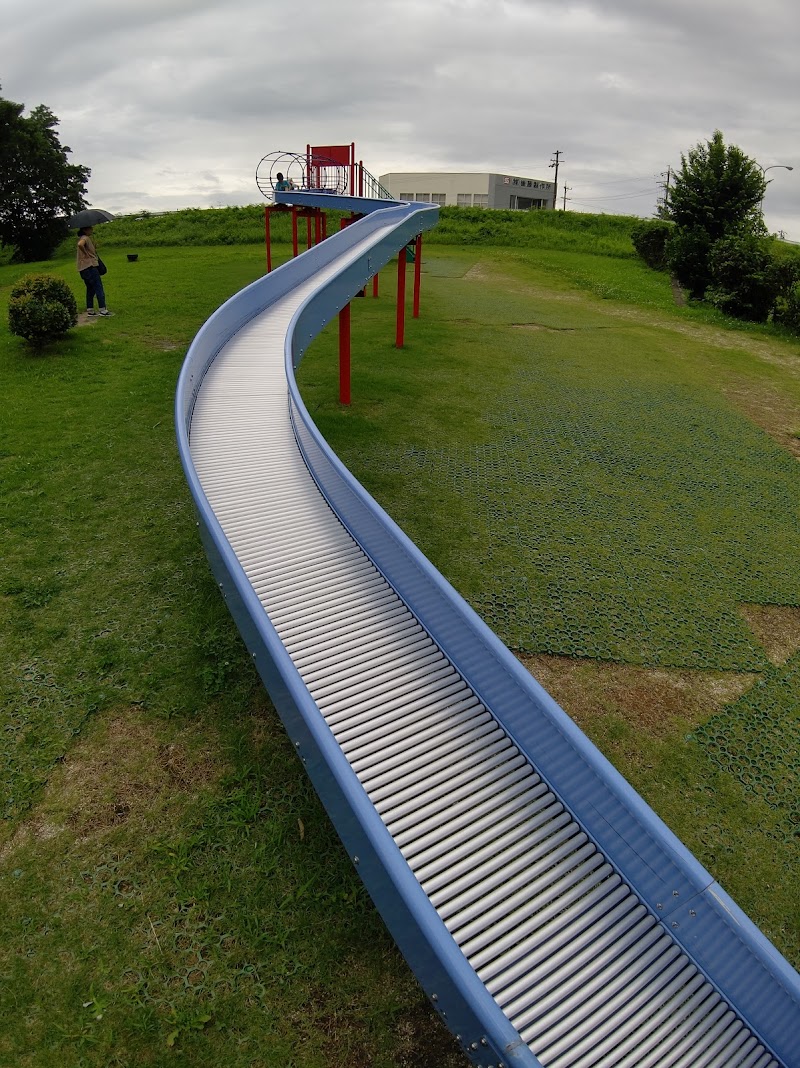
column 551, row 917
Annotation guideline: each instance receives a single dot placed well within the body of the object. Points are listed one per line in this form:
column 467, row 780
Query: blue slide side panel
column 447, row 978
column 331, row 298
column 724, row 943
column 259, row 295
column 334, row 201
column 457, row 993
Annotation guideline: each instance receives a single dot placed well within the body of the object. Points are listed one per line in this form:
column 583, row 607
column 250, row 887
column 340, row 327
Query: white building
column 470, row 190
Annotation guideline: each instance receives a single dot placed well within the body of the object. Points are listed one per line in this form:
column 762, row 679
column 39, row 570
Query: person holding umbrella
column 87, row 261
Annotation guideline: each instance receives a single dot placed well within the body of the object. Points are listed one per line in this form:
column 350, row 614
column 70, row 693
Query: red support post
column 375, row 285
column 401, row 298
column 267, row 239
column 344, row 355
column 295, row 250
column 417, row 273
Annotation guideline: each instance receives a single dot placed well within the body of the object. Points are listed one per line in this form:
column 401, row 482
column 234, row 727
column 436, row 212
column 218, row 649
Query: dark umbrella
column 89, row 217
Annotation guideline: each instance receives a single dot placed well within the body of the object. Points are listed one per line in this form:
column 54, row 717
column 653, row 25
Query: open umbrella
column 89, row 217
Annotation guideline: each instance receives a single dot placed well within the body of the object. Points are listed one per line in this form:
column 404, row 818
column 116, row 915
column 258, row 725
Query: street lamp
column 772, row 167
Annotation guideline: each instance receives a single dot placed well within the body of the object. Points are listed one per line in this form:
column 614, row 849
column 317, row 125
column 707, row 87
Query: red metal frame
column 344, row 355
column 401, row 298
column 344, row 155
column 267, row 239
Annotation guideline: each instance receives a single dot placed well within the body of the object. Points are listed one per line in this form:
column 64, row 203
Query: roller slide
column 550, row 916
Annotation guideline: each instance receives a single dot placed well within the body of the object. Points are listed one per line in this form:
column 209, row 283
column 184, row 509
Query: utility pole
column 664, row 208
column 567, row 189
column 554, row 163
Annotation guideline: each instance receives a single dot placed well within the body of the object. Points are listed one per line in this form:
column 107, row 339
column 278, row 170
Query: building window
column 464, row 200
column 438, row 198
column 481, row 200
column 406, row 196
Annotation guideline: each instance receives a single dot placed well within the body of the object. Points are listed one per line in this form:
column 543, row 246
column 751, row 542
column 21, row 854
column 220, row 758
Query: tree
column 39, row 187
column 717, row 193
column 718, row 189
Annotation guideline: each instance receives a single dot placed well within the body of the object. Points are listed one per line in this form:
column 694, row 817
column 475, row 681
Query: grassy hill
column 610, row 479
column 606, row 234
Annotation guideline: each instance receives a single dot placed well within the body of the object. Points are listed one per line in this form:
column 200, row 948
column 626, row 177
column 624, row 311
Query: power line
column 617, row 181
column 625, row 196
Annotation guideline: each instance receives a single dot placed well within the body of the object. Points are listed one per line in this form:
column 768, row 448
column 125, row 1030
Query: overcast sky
column 172, row 103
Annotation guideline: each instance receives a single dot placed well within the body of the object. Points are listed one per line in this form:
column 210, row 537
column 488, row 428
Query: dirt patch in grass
column 125, row 769
column 776, row 627
column 479, row 272
column 678, row 294
column 486, row 272
column 651, row 698
column 775, row 413
column 345, row 1028
column 422, row 1041
column 540, row 326
column 84, row 319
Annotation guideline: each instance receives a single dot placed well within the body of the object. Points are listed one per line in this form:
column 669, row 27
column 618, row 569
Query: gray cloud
column 173, row 102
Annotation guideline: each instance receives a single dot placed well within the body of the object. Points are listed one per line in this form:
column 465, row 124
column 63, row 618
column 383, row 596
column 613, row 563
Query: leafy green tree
column 717, row 195
column 39, row 187
column 717, row 189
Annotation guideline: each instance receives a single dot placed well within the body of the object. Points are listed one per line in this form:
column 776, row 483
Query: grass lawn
column 170, row 888
column 607, row 477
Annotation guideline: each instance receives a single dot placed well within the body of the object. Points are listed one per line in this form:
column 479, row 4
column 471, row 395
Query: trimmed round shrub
column 42, row 307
